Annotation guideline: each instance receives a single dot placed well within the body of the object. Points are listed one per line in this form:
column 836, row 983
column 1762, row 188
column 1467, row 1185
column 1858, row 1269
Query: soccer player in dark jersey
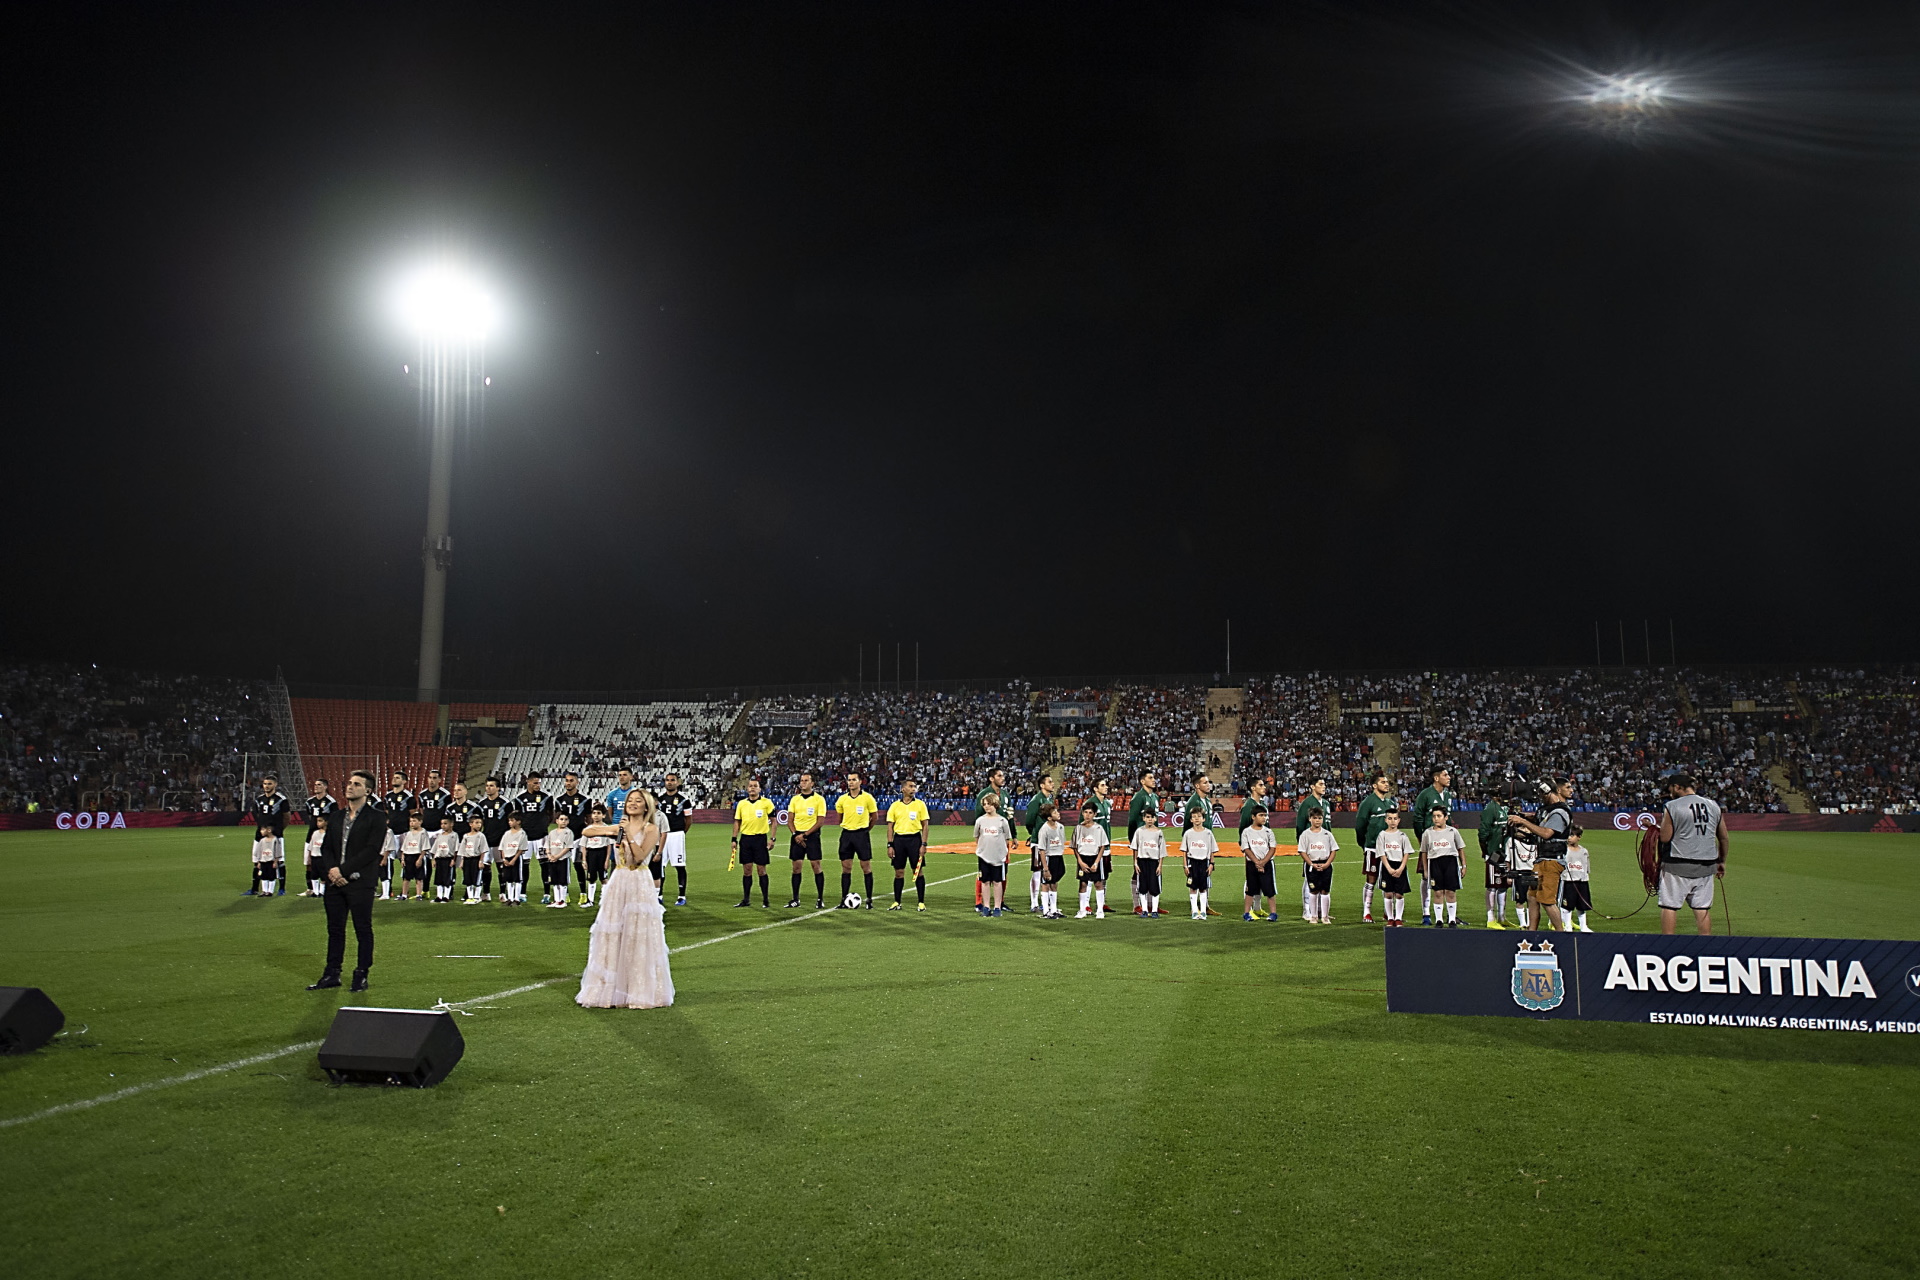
column 396, row 804
column 318, row 805
column 494, row 809
column 576, row 804
column 535, row 808
column 432, row 801
column 271, row 809
column 675, row 809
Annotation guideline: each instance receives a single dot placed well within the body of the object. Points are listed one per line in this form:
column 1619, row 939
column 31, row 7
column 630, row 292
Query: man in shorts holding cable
column 1693, row 854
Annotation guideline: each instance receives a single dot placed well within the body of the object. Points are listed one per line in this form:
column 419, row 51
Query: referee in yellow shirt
column 752, row 834
column 806, row 811
column 906, row 843
column 857, row 810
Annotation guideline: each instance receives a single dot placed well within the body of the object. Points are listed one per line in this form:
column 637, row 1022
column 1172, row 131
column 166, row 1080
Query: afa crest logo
column 1537, row 981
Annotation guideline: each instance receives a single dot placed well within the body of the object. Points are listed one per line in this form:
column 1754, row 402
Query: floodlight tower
column 450, row 313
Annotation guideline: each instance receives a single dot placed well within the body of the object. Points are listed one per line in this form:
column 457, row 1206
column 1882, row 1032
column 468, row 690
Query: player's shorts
column 991, row 872
column 1444, row 874
column 1320, row 879
column 513, row 872
column 553, row 874
column 806, row 846
column 1394, row 883
column 1148, row 871
column 443, row 871
column 1100, row 872
column 279, row 848
column 856, row 844
column 470, row 870
column 1685, row 891
column 1199, row 874
column 1370, row 863
column 1259, row 880
column 905, row 852
column 673, row 850
column 1056, row 868
column 596, row 863
column 1576, row 895
column 1548, row 870
column 753, row 851
column 415, row 865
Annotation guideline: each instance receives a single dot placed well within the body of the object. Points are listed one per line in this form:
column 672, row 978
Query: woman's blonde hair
column 648, row 808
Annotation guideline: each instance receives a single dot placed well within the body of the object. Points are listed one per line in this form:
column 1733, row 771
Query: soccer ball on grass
column 851, row 902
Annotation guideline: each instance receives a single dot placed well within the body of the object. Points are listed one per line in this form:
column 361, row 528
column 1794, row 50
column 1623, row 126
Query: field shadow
column 676, row 1046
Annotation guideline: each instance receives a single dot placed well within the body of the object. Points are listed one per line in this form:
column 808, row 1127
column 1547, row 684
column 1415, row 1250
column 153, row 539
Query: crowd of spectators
column 947, row 742
column 1865, row 749
column 96, row 737
column 88, row 737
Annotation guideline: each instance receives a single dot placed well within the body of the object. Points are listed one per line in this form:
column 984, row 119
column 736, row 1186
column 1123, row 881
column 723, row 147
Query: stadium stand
column 651, row 738
column 334, row 733
column 1827, row 738
column 73, row 737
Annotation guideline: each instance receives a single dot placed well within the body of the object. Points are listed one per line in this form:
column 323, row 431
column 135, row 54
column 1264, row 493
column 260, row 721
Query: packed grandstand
column 1814, row 739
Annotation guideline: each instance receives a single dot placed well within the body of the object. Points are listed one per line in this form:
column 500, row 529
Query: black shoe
column 743, row 903
column 359, row 980
column 819, row 904
column 326, row 980
column 793, row 904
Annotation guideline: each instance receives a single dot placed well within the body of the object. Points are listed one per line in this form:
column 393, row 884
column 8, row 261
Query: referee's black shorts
column 753, row 850
column 856, row 844
column 905, row 852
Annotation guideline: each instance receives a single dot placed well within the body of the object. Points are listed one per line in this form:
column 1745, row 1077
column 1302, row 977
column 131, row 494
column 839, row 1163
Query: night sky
column 1048, row 337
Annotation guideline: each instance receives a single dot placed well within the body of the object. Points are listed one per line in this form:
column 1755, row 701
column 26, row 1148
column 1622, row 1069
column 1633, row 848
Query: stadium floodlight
column 451, row 312
column 443, row 303
column 1632, row 91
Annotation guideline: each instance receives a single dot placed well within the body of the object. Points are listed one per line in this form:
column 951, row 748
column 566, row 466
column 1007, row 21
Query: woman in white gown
column 627, row 953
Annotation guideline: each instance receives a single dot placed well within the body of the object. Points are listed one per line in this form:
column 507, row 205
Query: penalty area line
column 256, row 1059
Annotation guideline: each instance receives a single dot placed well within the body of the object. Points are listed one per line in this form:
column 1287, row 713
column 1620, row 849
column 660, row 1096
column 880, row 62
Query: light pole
column 450, row 314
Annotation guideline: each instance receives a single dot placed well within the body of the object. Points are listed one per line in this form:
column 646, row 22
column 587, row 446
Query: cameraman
column 1550, row 852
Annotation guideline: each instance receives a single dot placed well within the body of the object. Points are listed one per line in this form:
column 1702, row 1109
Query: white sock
column 1426, row 897
column 1100, row 900
column 1366, row 900
column 1086, row 896
column 1453, row 910
column 1306, row 896
column 266, row 886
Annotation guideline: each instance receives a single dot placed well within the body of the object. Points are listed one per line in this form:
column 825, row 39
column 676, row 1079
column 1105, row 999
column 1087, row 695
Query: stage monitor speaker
column 27, row 1019
column 415, row 1047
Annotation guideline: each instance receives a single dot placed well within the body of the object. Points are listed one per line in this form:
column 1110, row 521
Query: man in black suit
column 350, row 864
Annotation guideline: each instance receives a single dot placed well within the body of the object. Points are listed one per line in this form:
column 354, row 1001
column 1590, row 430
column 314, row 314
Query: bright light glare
column 1631, row 92
column 444, row 302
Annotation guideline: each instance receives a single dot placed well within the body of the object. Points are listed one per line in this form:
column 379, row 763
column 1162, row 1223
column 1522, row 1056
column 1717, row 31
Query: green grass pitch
column 939, row 1095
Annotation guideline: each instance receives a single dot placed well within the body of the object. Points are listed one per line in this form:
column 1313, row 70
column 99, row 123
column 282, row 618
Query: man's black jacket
column 358, row 860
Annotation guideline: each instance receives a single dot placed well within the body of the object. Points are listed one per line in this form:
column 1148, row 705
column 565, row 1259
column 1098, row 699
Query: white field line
column 271, row 1054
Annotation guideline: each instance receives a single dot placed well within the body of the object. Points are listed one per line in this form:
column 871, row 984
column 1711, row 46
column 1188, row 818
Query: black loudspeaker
column 414, row 1047
column 27, row 1019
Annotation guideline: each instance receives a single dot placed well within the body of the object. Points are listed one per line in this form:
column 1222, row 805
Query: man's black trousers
column 340, row 902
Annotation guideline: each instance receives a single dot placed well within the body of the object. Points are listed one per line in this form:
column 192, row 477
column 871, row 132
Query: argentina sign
column 1819, row 984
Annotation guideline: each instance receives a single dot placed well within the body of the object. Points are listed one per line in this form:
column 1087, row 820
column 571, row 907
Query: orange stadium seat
column 338, row 734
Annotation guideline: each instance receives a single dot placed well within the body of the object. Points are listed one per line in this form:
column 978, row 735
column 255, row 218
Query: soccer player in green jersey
column 1200, row 800
column 1315, row 801
column 1493, row 831
column 1368, row 823
column 1147, row 797
column 1035, row 819
column 1437, row 795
